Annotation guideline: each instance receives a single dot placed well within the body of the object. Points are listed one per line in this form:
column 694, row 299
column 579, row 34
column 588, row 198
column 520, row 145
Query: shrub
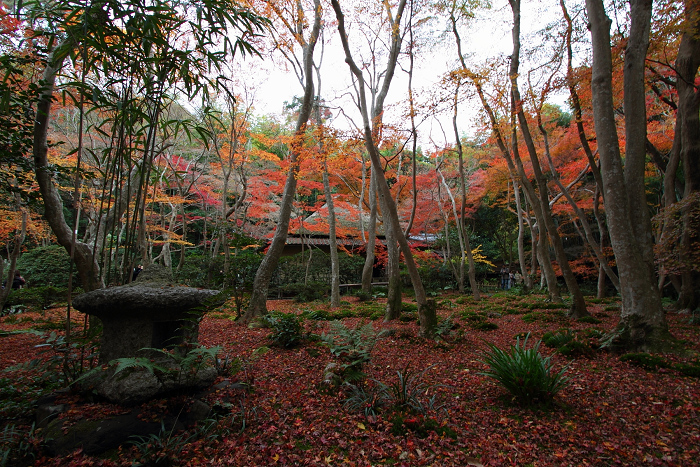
column 40, row 297
column 353, row 346
column 47, row 265
column 319, row 315
column 362, row 296
column 557, row 339
column 589, row 320
column 525, row 373
column 303, row 293
column 18, row 446
column 287, row 329
column 201, row 270
column 443, row 330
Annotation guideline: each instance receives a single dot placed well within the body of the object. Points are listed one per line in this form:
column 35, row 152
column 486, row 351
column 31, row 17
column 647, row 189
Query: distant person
column 511, row 280
column 518, row 278
column 504, row 277
column 18, row 282
column 137, row 271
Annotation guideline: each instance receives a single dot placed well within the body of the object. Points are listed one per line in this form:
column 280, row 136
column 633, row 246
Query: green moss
column 485, row 326
column 589, row 320
column 645, row 360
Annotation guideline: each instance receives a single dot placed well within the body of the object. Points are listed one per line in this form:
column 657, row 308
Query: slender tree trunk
column 13, row 256
column 642, row 323
column 333, row 242
column 394, row 290
column 258, row 300
column 368, row 269
column 461, row 219
column 578, row 306
column 426, row 310
column 527, row 278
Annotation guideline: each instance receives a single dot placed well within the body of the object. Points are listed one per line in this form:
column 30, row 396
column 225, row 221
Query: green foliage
column 18, row 393
column 485, row 326
column 17, row 446
column 244, row 263
column 478, row 321
column 362, row 398
column 566, row 344
column 589, row 320
column 645, row 360
column 407, row 399
column 352, row 346
column 162, row 449
column 362, row 296
column 16, row 122
column 406, row 394
column 304, row 293
column 557, row 339
column 695, row 318
column 444, row 328
column 319, row 315
column 46, row 266
column 688, row 369
column 201, row 270
column 524, row 372
column 68, row 359
column 654, row 362
column 287, row 329
column 177, row 366
column 367, row 310
column 40, row 297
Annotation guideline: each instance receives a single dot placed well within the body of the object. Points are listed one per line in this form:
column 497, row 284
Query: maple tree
column 258, row 300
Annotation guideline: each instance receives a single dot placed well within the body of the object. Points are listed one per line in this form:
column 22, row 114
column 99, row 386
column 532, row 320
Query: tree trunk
column 368, row 269
column 578, row 306
column 687, row 64
column 461, row 220
column 13, row 255
column 85, row 259
column 258, row 300
column 642, row 323
column 527, row 279
column 394, row 289
column 333, row 243
column 426, row 310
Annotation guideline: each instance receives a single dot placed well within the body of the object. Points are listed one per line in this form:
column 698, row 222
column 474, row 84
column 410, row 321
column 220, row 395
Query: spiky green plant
column 524, row 372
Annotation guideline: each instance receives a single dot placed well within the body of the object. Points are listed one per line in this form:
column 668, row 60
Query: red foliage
column 611, row 413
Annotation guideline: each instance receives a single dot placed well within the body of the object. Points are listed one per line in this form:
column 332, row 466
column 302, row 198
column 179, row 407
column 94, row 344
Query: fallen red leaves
column 611, row 413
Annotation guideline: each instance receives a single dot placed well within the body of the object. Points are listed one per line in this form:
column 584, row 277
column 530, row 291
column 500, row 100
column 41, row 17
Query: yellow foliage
column 479, row 257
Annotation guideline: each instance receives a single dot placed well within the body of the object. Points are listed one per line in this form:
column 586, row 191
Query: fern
column 133, row 363
column 353, row 346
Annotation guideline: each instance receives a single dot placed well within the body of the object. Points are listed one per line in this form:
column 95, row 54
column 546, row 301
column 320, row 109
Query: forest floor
column 613, row 411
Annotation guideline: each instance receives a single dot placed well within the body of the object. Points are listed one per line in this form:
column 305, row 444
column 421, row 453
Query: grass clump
column 524, row 372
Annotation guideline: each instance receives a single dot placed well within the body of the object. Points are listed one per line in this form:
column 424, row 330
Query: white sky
column 487, row 37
